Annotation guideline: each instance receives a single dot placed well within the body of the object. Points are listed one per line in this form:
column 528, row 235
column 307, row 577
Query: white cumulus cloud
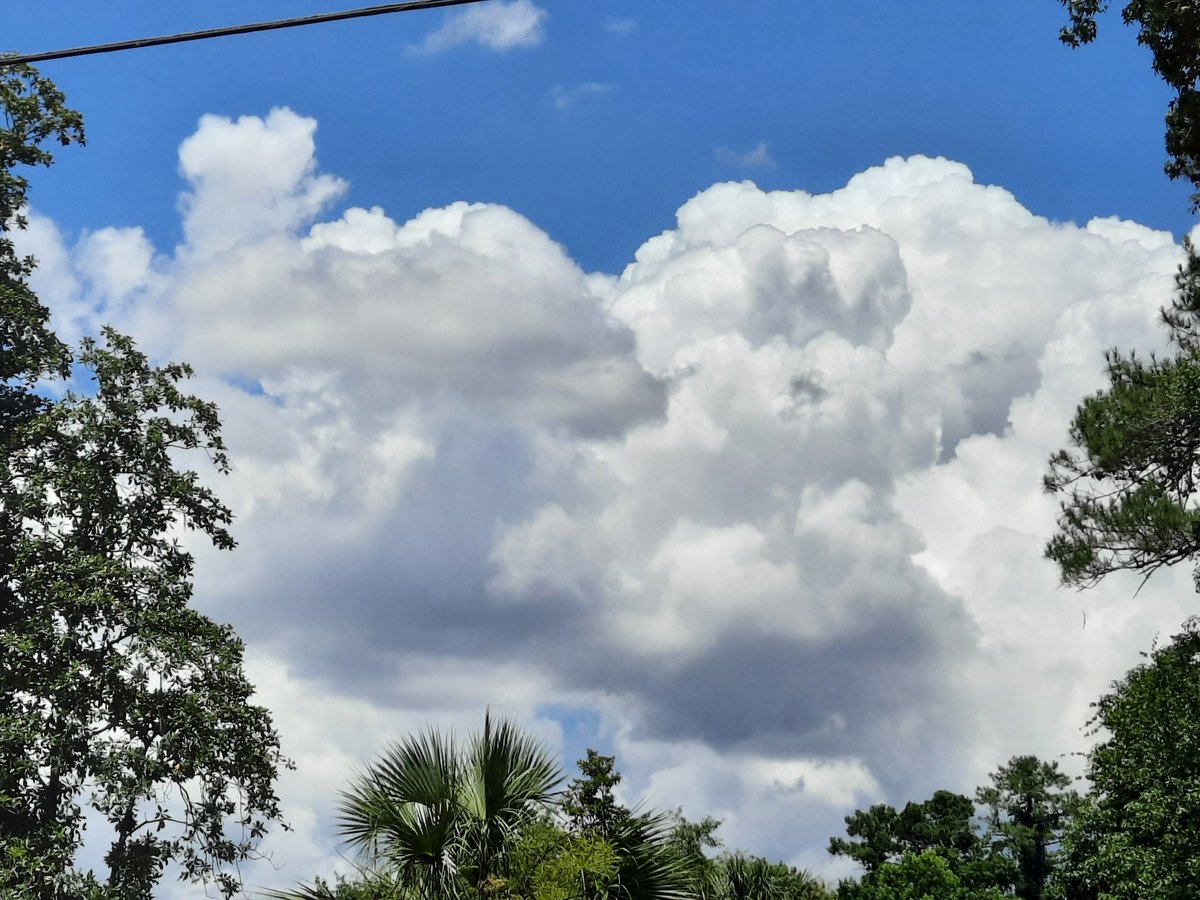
column 766, row 504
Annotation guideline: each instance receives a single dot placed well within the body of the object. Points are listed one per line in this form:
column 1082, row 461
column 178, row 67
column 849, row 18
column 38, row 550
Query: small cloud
column 621, row 26
column 758, row 158
column 497, row 26
column 566, row 97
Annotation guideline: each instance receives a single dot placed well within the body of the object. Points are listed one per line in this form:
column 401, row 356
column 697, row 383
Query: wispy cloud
column 565, row 97
column 497, row 26
column 621, row 26
column 757, row 158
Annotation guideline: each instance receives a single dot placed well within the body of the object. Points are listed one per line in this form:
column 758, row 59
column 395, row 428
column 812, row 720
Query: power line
column 9, row 59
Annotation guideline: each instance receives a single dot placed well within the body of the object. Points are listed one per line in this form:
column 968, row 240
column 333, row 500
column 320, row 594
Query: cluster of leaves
column 421, row 829
column 736, row 875
column 1138, row 835
column 1026, row 834
column 1127, row 482
column 116, row 698
column 1135, row 835
column 35, row 113
column 948, row 847
column 1129, row 479
column 1170, row 29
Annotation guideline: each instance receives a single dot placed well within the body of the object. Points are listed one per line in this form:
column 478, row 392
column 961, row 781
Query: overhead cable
column 8, row 59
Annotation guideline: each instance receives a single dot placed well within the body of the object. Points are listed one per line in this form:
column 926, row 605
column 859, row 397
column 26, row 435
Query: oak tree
column 122, row 709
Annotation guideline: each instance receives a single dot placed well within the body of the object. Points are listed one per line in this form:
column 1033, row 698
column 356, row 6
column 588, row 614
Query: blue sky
column 829, row 89
column 676, row 378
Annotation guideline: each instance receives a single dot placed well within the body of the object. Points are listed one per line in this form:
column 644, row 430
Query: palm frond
column 648, row 866
column 403, row 813
column 508, row 777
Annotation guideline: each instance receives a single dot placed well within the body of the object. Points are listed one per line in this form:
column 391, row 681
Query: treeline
column 433, row 819
column 1135, row 833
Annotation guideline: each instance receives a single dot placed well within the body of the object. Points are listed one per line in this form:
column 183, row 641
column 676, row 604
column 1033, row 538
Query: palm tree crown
column 442, row 816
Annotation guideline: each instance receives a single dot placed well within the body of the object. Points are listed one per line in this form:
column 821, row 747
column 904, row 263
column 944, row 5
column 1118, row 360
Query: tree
column 589, row 802
column 111, row 688
column 442, row 818
column 740, row 876
column 607, row 851
column 1171, row 31
column 916, row 876
column 366, row 886
column 35, row 113
column 647, row 866
column 636, row 861
column 877, row 832
column 1129, row 480
column 1138, row 835
column 551, row 863
column 1030, row 806
column 432, row 819
column 688, row 841
column 943, row 824
column 115, row 696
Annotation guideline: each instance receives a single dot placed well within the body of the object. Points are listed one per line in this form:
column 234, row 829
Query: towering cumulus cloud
column 765, row 505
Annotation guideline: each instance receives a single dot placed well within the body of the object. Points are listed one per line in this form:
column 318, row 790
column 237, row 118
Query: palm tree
column 739, row 876
column 441, row 817
column 649, row 867
column 433, row 819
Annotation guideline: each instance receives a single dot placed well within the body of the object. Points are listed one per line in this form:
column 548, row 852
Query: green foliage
column 646, row 863
column 1170, row 29
column 636, row 862
column 589, row 802
column 1129, row 480
column 432, row 820
column 549, row 863
column 115, row 697
column 648, row 868
column 367, row 886
column 443, row 818
column 34, row 113
column 1030, row 804
column 114, row 694
column 688, row 841
column 739, row 876
column 1138, row 836
column 927, row 875
column 944, row 824
column 876, row 830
